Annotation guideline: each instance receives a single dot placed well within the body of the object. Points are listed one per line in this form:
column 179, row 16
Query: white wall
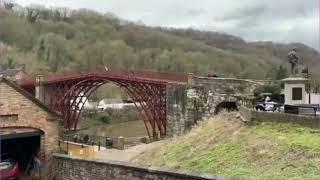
column 315, row 98
column 288, row 93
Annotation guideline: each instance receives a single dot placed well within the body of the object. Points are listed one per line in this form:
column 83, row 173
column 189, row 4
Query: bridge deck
column 134, row 75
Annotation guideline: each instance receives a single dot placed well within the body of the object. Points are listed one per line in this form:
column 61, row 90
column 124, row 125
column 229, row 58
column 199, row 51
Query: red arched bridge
column 66, row 93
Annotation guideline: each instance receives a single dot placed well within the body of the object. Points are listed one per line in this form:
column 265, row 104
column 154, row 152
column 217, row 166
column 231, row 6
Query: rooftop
column 295, row 79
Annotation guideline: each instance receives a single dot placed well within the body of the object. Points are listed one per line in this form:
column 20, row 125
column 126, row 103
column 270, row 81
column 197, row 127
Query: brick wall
column 72, row 168
column 29, row 115
column 261, row 116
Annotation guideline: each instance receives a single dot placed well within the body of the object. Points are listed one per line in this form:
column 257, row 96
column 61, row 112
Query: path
column 127, row 154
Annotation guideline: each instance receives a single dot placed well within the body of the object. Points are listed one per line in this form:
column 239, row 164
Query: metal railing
column 305, row 109
column 297, row 109
column 101, row 141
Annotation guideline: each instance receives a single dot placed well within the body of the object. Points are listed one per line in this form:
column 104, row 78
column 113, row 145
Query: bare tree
column 45, row 13
column 7, row 4
column 32, row 14
column 1, row 55
column 61, row 14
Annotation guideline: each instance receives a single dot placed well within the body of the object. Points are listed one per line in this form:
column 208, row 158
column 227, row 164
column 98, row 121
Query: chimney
column 190, row 79
column 39, row 88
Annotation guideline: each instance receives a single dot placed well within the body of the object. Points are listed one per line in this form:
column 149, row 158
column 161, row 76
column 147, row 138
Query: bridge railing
column 307, row 109
column 248, row 102
column 111, row 73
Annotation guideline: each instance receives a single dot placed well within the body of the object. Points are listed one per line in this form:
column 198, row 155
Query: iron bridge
column 67, row 92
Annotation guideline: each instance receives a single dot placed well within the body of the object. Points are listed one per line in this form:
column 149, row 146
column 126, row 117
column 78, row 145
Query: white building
column 82, row 103
column 295, row 91
column 315, row 98
column 113, row 104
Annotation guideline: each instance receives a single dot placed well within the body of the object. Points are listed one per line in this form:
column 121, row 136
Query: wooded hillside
column 55, row 40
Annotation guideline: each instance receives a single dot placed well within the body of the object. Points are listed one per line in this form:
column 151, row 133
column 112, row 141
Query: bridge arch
column 149, row 99
column 66, row 92
column 226, row 105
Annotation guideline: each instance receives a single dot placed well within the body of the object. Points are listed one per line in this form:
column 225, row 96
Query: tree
column 32, row 14
column 61, row 14
column 277, row 72
column 8, row 4
column 63, row 39
column 9, row 63
column 54, row 50
column 282, row 73
column 274, row 89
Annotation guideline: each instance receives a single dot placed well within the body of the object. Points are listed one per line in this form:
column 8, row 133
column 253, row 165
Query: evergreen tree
column 282, row 73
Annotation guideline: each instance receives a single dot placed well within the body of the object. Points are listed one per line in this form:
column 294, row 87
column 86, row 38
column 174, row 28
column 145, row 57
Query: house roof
column 295, row 79
column 29, row 96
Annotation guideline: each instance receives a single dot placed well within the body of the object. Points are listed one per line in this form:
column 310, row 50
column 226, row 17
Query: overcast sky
column 253, row 20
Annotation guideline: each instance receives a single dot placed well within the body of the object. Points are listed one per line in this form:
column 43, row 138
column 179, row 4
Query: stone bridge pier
column 208, row 96
column 176, row 99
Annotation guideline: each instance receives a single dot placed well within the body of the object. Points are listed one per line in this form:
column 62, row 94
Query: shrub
column 105, row 118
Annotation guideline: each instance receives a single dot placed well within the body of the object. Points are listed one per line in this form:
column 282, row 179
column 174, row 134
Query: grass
column 226, row 147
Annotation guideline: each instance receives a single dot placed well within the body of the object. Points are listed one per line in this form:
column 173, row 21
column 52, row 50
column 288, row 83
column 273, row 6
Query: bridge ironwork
column 67, row 92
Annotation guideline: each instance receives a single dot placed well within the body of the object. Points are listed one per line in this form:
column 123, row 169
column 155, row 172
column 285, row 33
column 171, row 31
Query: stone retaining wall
column 71, row 168
column 176, row 97
column 252, row 115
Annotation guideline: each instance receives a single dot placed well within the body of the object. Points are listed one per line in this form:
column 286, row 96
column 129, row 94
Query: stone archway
column 226, row 105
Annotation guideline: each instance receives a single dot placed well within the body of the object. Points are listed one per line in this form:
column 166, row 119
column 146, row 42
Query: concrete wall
column 251, row 115
column 72, row 168
column 315, row 98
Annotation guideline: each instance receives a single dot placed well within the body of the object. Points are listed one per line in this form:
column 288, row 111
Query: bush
column 274, row 89
column 105, row 118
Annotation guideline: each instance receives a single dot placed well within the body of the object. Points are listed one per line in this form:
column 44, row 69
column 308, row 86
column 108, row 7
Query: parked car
column 268, row 106
column 9, row 169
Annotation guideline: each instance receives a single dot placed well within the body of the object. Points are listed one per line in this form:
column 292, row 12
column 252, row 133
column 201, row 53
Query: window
column 10, row 117
column 296, row 93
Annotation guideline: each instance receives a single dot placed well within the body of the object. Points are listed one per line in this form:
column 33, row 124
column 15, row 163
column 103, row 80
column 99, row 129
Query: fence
column 104, row 142
column 76, row 149
column 305, row 109
column 247, row 102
